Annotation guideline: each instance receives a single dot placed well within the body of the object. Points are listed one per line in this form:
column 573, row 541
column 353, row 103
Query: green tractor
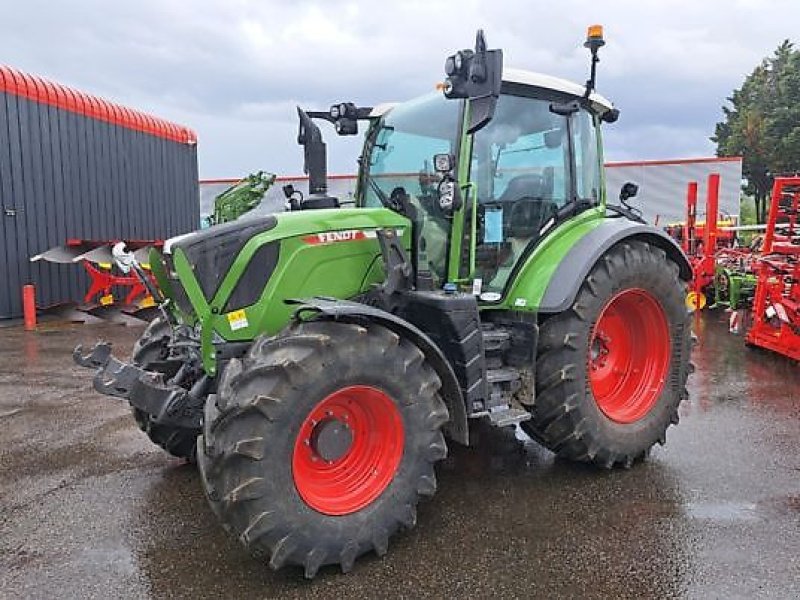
column 314, row 362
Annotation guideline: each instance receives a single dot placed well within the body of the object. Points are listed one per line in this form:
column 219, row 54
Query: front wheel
column 611, row 371
column 321, row 442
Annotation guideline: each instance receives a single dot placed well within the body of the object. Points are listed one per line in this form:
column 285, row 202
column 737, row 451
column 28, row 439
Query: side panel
column 319, row 256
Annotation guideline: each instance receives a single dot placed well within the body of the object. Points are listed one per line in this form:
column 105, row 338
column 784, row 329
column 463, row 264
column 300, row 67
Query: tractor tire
column 611, row 370
column 150, row 347
column 321, row 442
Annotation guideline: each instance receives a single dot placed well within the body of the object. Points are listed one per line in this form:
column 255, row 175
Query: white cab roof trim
column 552, row 83
column 525, row 78
column 167, row 249
column 382, row 109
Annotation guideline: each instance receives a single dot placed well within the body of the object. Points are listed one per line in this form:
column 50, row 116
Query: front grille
column 254, row 278
column 211, row 252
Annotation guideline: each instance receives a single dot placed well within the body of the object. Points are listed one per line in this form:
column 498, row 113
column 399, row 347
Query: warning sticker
column 237, row 320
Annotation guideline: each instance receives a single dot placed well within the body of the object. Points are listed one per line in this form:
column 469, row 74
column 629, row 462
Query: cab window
column 521, row 167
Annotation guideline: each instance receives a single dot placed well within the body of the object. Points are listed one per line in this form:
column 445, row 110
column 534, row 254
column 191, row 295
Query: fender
column 571, row 272
column 353, row 312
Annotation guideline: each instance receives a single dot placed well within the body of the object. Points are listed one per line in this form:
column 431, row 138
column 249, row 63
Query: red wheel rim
column 363, row 466
column 629, row 354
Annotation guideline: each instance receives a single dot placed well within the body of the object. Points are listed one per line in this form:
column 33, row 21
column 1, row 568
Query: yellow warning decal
column 237, row 319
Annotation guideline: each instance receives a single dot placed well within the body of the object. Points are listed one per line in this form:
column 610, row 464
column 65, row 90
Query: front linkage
column 151, row 391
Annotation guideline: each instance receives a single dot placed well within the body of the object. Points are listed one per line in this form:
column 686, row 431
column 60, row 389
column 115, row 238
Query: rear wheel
column 611, row 371
column 321, row 442
column 149, row 348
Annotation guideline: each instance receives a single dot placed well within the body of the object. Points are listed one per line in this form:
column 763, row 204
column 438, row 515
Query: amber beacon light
column 594, row 37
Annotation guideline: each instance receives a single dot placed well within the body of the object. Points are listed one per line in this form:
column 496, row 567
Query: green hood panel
column 326, row 252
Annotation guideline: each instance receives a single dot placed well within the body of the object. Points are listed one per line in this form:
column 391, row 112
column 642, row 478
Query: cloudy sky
column 234, row 70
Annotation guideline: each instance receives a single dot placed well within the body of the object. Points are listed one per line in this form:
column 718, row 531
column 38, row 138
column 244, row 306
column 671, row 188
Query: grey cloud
column 235, row 70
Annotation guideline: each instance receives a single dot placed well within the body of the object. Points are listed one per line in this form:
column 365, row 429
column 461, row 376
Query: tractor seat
column 528, row 204
column 526, row 218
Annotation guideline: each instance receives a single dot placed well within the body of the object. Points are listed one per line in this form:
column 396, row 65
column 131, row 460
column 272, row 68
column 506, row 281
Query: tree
column 763, row 123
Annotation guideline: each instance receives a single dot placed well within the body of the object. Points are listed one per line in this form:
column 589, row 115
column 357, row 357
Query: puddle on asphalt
column 722, row 511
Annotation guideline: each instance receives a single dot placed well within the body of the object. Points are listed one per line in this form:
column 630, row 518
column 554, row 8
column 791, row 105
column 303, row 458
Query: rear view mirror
column 629, row 190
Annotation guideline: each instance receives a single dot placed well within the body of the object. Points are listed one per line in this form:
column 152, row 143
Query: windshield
column 399, row 154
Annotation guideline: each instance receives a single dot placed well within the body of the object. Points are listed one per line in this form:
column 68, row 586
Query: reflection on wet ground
column 91, row 509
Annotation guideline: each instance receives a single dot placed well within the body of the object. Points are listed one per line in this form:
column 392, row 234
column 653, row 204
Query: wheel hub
column 348, row 450
column 331, row 439
column 629, row 355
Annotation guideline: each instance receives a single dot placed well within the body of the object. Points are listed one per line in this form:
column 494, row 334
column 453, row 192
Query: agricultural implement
column 720, row 269
column 776, row 306
column 734, row 278
column 323, row 355
column 109, row 289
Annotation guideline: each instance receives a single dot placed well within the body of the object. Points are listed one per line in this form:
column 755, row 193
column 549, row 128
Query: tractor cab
column 535, row 164
column 485, row 169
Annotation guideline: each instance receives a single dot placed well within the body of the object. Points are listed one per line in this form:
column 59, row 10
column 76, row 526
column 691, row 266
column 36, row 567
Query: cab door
column 532, row 169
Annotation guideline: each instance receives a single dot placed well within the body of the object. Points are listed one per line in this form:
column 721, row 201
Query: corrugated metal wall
column 88, row 170
column 662, row 186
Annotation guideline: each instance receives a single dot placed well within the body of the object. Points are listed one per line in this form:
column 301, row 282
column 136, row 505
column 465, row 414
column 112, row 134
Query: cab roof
column 549, row 82
column 533, row 79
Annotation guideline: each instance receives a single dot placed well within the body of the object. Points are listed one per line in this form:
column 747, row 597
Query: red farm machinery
column 722, row 271
column 776, row 306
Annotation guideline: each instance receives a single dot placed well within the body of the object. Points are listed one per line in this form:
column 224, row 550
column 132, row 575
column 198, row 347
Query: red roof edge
column 674, row 161
column 43, row 91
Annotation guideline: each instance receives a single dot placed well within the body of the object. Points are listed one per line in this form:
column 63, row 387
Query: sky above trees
column 234, row 70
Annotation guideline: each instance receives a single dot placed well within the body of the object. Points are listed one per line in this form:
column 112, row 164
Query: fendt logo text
column 349, row 235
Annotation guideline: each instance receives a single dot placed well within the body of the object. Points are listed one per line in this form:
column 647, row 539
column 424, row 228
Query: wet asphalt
column 90, row 509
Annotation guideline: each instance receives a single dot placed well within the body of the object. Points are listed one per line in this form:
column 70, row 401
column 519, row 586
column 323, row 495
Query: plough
column 111, row 295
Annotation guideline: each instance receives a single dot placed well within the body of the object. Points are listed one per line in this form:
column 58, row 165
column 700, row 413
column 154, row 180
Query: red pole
column 712, row 214
column 691, row 215
column 29, row 306
column 769, row 236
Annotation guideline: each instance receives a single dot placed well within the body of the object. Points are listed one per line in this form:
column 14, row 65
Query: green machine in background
column 239, row 199
column 324, row 354
column 732, row 288
column 734, row 279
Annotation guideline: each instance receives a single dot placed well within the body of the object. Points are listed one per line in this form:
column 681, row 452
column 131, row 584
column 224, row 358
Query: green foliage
column 763, row 123
column 747, row 211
